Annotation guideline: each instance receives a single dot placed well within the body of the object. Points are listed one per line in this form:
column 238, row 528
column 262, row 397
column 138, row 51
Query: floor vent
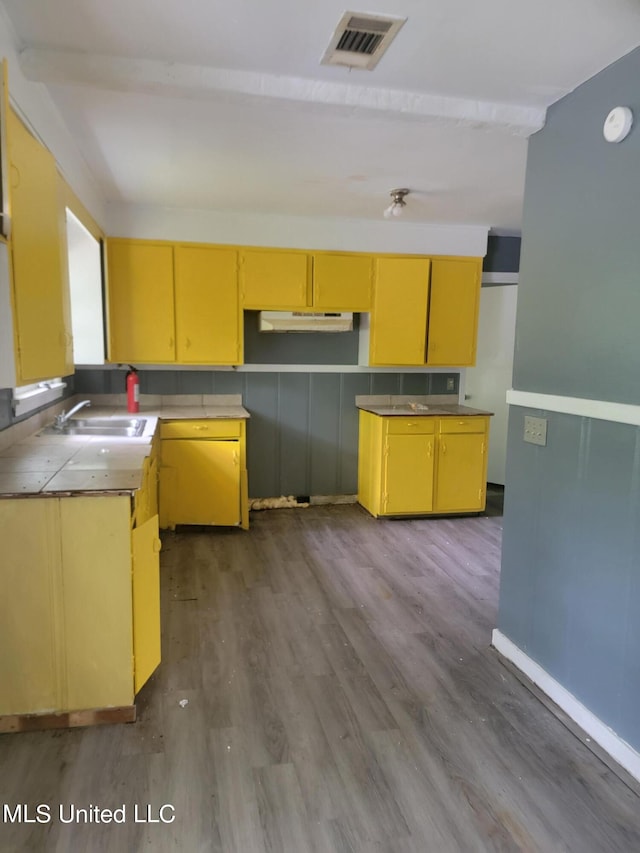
column 360, row 40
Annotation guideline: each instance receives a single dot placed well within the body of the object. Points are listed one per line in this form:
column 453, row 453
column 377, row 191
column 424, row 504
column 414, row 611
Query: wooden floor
column 327, row 685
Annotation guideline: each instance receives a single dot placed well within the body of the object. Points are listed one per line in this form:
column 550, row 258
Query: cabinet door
column 145, row 545
column 200, row 482
column 274, row 279
column 38, row 286
column 408, row 474
column 141, row 316
column 342, row 282
column 399, row 319
column 461, row 478
column 453, row 313
column 208, row 316
column 29, row 573
column 95, row 587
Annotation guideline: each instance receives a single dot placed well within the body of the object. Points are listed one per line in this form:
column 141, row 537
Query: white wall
column 210, row 226
column 487, row 383
column 85, row 285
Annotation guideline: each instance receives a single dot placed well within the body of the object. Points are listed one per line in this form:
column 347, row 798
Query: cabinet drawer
column 203, row 428
column 407, row 426
column 453, row 424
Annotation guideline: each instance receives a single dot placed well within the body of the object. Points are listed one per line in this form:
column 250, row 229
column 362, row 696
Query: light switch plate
column 535, row 430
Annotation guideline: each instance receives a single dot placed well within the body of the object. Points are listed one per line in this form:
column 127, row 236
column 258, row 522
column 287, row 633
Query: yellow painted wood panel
column 145, row 544
column 205, row 482
column 97, row 601
column 208, row 315
column 408, row 474
column 370, row 462
column 461, row 477
column 275, row 279
column 342, row 282
column 202, row 428
column 29, row 568
column 453, row 313
column 39, row 321
column 399, row 318
column 141, row 309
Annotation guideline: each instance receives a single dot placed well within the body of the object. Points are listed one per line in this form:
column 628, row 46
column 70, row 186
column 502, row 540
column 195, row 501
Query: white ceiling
column 217, row 105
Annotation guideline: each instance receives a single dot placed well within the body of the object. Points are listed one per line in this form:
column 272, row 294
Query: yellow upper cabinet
column 453, row 312
column 289, row 280
column 400, row 304
column 208, row 315
column 275, row 279
column 39, row 302
column 342, row 282
column 141, row 311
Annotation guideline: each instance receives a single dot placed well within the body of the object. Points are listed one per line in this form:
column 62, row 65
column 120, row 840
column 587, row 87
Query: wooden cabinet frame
column 426, row 465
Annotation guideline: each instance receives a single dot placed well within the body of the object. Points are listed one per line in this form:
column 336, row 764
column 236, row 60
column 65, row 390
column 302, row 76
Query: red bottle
column 133, row 390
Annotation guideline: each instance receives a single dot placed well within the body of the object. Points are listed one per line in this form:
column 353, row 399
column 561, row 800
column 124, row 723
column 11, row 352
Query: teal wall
column 570, row 583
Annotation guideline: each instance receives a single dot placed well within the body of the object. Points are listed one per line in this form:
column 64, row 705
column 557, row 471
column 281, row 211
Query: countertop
column 416, row 407
column 54, row 465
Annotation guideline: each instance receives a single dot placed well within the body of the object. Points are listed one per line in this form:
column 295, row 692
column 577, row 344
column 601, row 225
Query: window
column 27, row 398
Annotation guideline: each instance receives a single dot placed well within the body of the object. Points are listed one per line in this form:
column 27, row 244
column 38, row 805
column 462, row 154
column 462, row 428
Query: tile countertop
column 53, row 465
column 435, row 406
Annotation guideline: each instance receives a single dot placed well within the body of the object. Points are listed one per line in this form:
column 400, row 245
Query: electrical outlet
column 535, row 430
column 451, row 383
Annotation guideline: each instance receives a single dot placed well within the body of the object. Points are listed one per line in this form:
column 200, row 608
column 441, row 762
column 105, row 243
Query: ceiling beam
column 202, row 82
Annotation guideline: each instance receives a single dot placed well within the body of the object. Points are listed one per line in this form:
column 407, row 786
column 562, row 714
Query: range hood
column 299, row 321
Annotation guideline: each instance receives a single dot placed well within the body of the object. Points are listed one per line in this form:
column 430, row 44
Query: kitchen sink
column 109, row 427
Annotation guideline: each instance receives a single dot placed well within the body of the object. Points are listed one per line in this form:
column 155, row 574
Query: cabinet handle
column 187, row 343
column 157, row 546
column 461, row 422
column 201, row 428
column 236, row 460
column 444, row 448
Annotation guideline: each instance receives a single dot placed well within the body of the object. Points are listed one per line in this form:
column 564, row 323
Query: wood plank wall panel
column 570, row 585
column 263, row 451
column 324, row 431
column 302, row 438
column 352, row 385
column 294, row 435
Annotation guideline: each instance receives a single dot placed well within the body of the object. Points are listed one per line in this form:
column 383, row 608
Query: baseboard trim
column 67, row 720
column 621, row 752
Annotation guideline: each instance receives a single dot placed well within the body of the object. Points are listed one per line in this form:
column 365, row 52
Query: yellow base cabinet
column 79, row 620
column 422, row 466
column 203, row 473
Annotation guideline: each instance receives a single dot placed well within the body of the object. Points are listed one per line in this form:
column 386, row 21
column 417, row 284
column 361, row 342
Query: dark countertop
column 413, row 410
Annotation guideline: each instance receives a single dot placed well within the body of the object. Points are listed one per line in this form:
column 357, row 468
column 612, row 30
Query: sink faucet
column 62, row 419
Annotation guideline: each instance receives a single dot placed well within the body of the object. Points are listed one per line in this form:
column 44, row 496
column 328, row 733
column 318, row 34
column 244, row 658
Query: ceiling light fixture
column 397, row 203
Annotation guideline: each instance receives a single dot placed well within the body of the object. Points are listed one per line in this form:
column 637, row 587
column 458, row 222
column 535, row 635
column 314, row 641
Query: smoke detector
column 360, row 39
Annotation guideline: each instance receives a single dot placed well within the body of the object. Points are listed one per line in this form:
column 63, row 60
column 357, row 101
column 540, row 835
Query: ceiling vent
column 360, row 40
